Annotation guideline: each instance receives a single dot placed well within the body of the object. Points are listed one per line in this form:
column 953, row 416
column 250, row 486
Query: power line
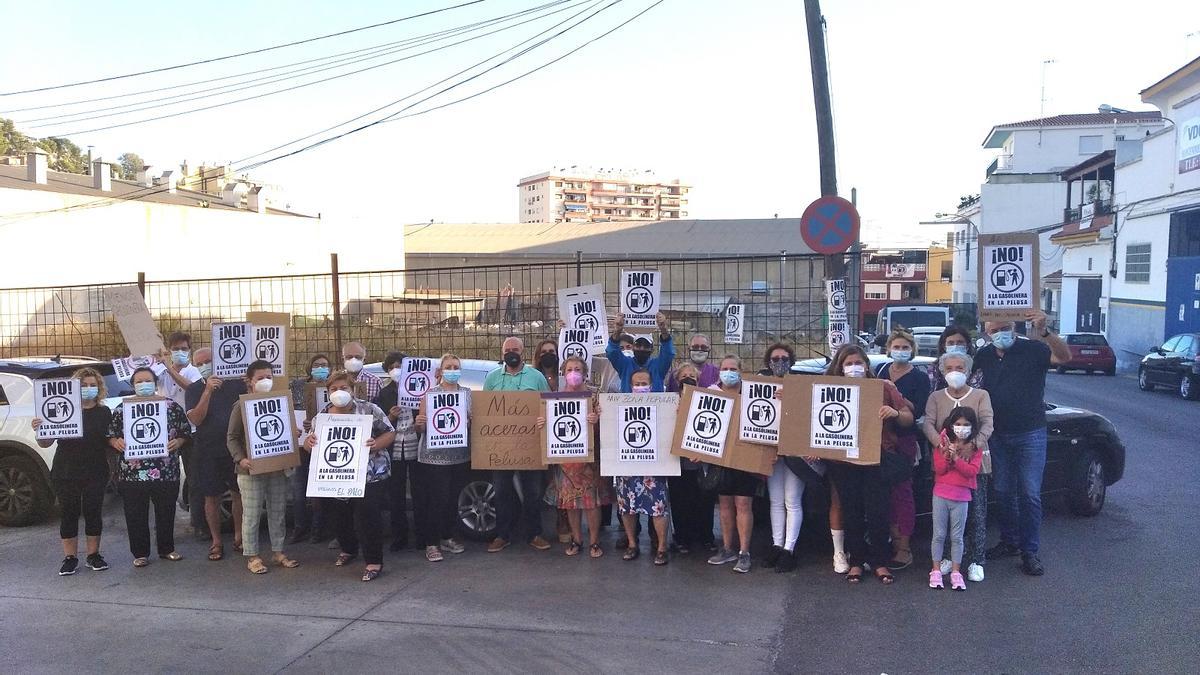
column 246, row 53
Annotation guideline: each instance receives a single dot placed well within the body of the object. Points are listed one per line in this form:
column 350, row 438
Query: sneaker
column 743, row 563
column 1002, row 550
column 935, row 579
column 722, row 556
column 1031, row 564
column 841, row 564
column 786, row 562
column 539, row 543
column 497, row 545
column 956, row 582
column 433, row 554
column 945, row 567
column 975, row 572
column 772, row 556
column 96, row 563
column 682, row 549
column 451, row 546
column 70, row 564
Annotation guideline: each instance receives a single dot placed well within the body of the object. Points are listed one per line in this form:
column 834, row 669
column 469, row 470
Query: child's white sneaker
column 975, row 572
column 841, row 564
column 945, row 567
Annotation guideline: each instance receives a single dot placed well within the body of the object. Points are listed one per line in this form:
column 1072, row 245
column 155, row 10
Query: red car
column 1090, row 352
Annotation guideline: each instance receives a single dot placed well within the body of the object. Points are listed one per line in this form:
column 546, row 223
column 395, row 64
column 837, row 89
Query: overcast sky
column 716, row 93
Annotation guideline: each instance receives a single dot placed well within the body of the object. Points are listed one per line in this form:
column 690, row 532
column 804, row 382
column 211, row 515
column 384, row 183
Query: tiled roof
column 1086, row 119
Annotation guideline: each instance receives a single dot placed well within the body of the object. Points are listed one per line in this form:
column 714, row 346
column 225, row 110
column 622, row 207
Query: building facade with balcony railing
column 586, row 196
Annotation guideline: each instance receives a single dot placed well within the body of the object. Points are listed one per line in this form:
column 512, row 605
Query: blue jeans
column 1018, row 462
column 528, row 506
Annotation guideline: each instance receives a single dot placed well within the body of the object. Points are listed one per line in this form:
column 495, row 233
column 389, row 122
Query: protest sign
column 760, row 410
column 338, row 467
column 270, row 343
column 735, row 320
column 58, row 404
column 582, row 307
column 231, row 349
column 567, row 437
column 316, row 397
column 746, row 455
column 640, row 299
column 133, row 319
column 577, row 343
column 270, row 434
column 504, row 433
column 636, row 433
column 123, row 368
column 1008, row 276
column 445, row 420
column 832, row 418
column 703, row 426
column 415, row 380
column 838, row 329
column 145, row 432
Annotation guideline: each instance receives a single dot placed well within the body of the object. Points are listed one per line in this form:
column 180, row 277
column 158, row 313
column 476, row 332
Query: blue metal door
column 1183, row 296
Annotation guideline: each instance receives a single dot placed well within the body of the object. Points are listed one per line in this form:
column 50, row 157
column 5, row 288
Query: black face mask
column 548, row 362
column 641, row 357
column 687, row 381
column 512, row 359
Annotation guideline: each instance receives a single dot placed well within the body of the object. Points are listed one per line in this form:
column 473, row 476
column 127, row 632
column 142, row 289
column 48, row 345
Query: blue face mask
column 901, row 355
column 451, row 376
column 144, row 388
column 89, row 393
column 956, row 349
column 730, row 377
column 320, row 373
column 181, row 356
column 205, row 370
column 1004, row 339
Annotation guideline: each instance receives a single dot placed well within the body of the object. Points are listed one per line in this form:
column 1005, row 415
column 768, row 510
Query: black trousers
column 866, row 510
column 691, row 509
column 195, row 499
column 358, row 523
column 138, row 496
column 434, row 505
column 76, row 497
column 397, row 503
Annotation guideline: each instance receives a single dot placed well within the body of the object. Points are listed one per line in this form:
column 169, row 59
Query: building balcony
column 1001, row 163
column 1099, row 207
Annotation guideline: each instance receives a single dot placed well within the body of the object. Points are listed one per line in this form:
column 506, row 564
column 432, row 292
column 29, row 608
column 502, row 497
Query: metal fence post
column 578, row 268
column 142, row 283
column 337, row 301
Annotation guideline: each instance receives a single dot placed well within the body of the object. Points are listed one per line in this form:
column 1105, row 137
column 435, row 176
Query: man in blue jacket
column 625, row 363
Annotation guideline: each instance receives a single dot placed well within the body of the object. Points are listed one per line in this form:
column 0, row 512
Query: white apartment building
column 572, row 195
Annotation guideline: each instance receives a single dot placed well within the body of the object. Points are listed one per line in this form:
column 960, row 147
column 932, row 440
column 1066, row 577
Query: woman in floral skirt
column 643, row 495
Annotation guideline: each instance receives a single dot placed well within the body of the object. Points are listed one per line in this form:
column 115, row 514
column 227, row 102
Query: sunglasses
column 780, row 359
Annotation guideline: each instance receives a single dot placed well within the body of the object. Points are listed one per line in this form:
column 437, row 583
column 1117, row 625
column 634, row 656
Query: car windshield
column 1087, row 339
column 913, row 319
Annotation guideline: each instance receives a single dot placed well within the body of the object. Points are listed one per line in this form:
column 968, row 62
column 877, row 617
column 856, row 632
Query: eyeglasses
column 780, row 359
column 700, row 348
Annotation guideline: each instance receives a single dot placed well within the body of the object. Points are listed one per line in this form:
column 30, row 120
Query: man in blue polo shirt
column 1014, row 375
column 626, row 364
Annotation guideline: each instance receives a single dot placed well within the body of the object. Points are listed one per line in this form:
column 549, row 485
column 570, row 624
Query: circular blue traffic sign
column 829, row 225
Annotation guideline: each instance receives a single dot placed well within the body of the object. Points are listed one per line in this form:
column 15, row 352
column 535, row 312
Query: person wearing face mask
column 785, row 485
column 863, row 492
column 737, row 490
column 439, row 472
column 404, row 449
column 607, row 375
column 175, row 371
column 691, row 508
column 209, row 403
column 643, row 495
column 699, row 350
column 914, row 387
column 1014, row 374
column 641, row 357
column 354, row 357
column 957, row 340
column 307, row 519
column 359, row 521
column 80, row 473
column 516, row 375
column 956, row 462
column 958, row 393
column 146, row 481
column 270, row 487
column 547, row 363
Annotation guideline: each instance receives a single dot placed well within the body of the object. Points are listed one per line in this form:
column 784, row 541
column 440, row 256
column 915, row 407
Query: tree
column 12, row 142
column 65, row 156
column 128, row 165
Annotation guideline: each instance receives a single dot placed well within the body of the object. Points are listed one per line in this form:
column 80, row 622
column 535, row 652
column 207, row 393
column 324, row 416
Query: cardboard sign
column 704, row 426
column 316, row 397
column 270, row 343
column 832, row 418
column 582, row 307
column 145, row 427
column 735, row 454
column 577, row 343
column 133, row 319
column 760, row 411
column 338, row 467
column 504, row 433
column 735, row 319
column 567, row 437
column 58, row 404
column 1009, row 282
column 231, row 349
column 123, row 368
column 270, row 431
column 746, row 455
column 636, row 434
column 640, row 298
column 445, row 420
column 416, row 380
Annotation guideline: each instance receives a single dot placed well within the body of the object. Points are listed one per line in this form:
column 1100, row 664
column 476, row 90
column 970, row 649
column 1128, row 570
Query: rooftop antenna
column 1042, row 113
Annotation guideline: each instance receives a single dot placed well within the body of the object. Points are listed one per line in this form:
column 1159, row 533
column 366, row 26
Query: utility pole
column 835, row 265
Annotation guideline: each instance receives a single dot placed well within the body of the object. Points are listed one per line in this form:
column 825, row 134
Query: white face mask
column 855, row 370
column 627, row 352
column 396, row 374
column 264, row 385
column 354, row 364
column 956, row 380
column 699, row 356
column 340, row 398
column 962, row 430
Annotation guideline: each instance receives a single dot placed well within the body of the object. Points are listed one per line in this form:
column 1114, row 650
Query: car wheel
column 477, row 510
column 1060, row 370
column 1086, row 486
column 1188, row 388
column 1144, row 381
column 23, row 495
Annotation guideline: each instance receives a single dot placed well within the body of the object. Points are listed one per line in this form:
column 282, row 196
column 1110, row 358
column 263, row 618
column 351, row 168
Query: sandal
column 237, row 546
column 343, row 558
column 853, row 578
column 660, row 558
column 173, row 556
column 256, row 565
column 141, row 562
column 216, row 552
column 282, row 560
column 573, row 548
column 631, row 553
column 595, row 551
column 885, row 577
column 370, row 574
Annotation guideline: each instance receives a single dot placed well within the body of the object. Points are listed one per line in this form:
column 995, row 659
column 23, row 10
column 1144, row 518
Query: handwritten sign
column 339, row 461
column 504, row 433
column 231, row 349
column 735, row 319
column 58, row 404
column 145, row 427
column 123, row 368
column 832, row 418
column 1008, row 276
column 415, row 380
column 445, row 420
column 133, row 319
column 636, row 433
column 270, row 434
column 640, row 298
column 582, row 307
column 760, row 411
column 567, row 433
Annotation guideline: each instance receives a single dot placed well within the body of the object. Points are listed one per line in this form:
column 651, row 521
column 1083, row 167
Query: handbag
column 895, row 467
column 710, row 476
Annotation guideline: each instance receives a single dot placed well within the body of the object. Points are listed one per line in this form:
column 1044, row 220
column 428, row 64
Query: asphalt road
column 1116, row 598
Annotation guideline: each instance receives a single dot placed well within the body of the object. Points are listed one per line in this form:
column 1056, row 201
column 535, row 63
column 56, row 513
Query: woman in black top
column 80, row 473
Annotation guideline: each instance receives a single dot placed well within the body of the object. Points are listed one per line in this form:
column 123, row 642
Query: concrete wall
column 1059, row 146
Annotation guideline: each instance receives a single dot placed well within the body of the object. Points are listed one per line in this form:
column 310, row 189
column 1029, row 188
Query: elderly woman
column 954, row 369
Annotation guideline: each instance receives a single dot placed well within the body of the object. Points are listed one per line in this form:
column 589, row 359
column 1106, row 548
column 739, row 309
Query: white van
column 925, row 322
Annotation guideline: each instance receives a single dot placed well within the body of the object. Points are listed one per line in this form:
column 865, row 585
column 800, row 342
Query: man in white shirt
column 175, row 371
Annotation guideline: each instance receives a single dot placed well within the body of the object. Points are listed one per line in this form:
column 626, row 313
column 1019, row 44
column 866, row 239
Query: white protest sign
column 231, row 349
column 57, row 403
column 339, row 461
column 270, row 345
column 636, row 432
column 145, row 422
column 567, row 430
column 268, row 426
column 838, row 330
column 707, row 424
column 835, row 299
column 415, row 380
column 582, row 307
column 123, row 368
column 735, row 319
column 761, row 412
column 577, row 343
column 637, row 437
column 445, row 420
column 640, row 298
column 834, row 423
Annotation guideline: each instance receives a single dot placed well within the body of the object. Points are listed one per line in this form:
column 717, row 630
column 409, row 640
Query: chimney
column 168, row 179
column 256, row 199
column 144, row 178
column 101, row 176
column 35, row 166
